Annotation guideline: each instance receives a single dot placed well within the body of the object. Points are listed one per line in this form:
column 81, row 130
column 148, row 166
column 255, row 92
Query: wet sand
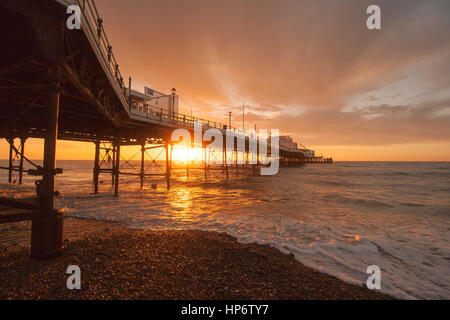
column 118, row 263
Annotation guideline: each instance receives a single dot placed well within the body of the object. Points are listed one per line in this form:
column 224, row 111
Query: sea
column 337, row 218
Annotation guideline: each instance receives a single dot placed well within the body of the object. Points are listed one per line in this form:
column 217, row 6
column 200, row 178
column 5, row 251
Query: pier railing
column 161, row 114
column 92, row 25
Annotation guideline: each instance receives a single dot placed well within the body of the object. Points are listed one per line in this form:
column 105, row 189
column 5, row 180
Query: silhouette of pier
column 57, row 83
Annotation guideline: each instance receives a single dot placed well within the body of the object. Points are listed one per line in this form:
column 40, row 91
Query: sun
column 184, row 154
column 180, row 153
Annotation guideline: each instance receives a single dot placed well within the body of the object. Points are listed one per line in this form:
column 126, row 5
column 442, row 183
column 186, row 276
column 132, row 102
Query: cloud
column 297, row 64
column 443, row 112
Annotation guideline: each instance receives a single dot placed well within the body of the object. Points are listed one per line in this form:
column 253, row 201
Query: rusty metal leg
column 168, row 162
column 117, row 169
column 10, row 166
column 96, row 165
column 257, row 156
column 246, row 158
column 22, row 153
column 142, row 173
column 223, row 160
column 236, row 160
column 47, row 233
column 113, row 165
column 113, row 175
column 226, row 160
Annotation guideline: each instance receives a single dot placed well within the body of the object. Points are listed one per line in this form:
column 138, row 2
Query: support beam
column 168, row 165
column 113, row 164
column 47, row 233
column 117, row 168
column 236, row 160
column 246, row 158
column 257, row 154
column 142, row 173
column 22, row 154
column 96, row 165
column 10, row 165
column 225, row 157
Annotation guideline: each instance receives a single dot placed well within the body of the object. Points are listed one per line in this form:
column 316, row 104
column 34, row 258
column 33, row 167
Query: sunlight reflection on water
column 338, row 219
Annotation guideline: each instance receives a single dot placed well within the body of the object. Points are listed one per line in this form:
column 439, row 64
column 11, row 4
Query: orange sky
column 308, row 68
column 68, row 150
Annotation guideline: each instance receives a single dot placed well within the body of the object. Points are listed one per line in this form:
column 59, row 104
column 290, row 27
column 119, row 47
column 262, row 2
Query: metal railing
column 93, row 24
column 162, row 114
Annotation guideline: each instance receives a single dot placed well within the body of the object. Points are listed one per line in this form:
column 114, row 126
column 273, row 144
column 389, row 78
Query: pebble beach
column 120, row 263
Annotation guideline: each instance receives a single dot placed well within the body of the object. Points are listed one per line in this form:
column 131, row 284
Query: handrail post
column 99, row 29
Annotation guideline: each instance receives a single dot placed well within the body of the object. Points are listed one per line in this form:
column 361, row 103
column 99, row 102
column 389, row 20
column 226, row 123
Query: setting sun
column 184, row 154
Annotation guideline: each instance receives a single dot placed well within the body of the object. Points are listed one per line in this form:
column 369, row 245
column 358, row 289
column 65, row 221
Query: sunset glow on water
column 338, row 218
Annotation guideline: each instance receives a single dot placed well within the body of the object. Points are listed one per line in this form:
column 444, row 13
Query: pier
column 57, row 83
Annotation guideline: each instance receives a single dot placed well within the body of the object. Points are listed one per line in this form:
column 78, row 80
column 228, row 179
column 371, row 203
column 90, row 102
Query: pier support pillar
column 117, row 168
column 22, row 154
column 256, row 166
column 225, row 159
column 47, row 233
column 236, row 160
column 10, row 164
column 168, row 164
column 96, row 165
column 142, row 172
column 247, row 158
column 113, row 166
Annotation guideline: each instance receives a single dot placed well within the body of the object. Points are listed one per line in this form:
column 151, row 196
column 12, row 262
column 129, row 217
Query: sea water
column 338, row 219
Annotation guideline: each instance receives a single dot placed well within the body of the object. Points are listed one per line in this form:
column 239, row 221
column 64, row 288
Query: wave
column 371, row 203
column 411, row 204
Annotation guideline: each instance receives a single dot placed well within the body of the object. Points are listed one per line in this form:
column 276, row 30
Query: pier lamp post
column 174, row 93
column 229, row 119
